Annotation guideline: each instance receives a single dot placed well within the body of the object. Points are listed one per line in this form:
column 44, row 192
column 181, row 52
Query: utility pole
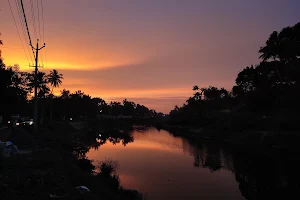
column 35, row 114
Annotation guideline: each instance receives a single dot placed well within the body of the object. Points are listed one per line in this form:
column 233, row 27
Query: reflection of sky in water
column 162, row 166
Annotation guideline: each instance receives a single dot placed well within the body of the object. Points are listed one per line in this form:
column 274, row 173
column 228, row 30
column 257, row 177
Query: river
column 163, row 166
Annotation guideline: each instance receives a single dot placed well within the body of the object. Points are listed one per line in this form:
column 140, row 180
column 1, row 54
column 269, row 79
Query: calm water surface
column 166, row 167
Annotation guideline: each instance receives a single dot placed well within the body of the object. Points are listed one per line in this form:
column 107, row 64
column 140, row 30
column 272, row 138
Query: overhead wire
column 40, row 37
column 33, row 19
column 19, row 10
column 44, row 32
column 38, row 9
column 28, row 33
column 18, row 31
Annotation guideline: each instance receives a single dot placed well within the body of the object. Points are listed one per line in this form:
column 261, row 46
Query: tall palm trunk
column 51, row 111
column 278, row 100
column 280, row 79
column 42, row 112
column 51, row 106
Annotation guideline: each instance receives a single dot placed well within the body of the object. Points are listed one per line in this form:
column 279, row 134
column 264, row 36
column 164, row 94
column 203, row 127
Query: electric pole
column 35, row 114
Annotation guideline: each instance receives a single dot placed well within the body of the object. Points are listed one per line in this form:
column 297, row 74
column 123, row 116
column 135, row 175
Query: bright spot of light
column 17, row 124
column 8, row 122
column 99, row 135
column 100, row 110
column 31, row 122
column 71, row 119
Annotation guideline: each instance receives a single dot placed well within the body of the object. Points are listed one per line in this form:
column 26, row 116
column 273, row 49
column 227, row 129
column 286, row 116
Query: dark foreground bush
column 54, row 170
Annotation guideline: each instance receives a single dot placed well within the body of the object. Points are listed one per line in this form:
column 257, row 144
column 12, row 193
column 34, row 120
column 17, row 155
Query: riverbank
column 247, row 139
column 56, row 167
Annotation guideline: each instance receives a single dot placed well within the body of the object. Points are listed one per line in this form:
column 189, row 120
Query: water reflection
column 167, row 167
column 274, row 176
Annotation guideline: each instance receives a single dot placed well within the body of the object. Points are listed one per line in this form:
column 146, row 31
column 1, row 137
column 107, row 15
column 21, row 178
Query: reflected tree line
column 95, row 139
column 258, row 176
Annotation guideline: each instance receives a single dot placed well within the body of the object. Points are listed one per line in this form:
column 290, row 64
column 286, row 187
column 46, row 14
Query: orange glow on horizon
column 68, row 62
column 111, row 94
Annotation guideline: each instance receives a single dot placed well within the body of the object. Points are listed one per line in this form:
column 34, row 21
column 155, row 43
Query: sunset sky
column 148, row 51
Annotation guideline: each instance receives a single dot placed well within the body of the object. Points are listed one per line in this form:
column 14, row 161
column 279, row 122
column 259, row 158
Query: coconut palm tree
column 55, row 80
column 196, row 87
column 272, row 51
column 1, row 43
column 42, row 86
column 42, row 82
column 1, row 63
column 197, row 95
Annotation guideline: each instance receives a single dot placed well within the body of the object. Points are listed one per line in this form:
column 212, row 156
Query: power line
column 38, row 9
column 18, row 5
column 43, row 21
column 19, row 10
column 44, row 31
column 33, row 19
column 37, row 49
column 26, row 24
column 18, row 31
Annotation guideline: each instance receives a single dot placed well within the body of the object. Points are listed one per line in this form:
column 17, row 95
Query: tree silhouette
column 1, row 43
column 43, row 90
column 272, row 50
column 42, row 83
column 65, row 94
column 13, row 89
column 196, row 87
column 268, row 88
column 55, row 80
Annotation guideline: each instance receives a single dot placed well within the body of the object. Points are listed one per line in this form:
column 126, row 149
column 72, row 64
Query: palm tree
column 196, row 87
column 1, row 43
column 54, row 78
column 272, row 51
column 197, row 95
column 42, row 82
column 1, row 62
column 65, row 97
column 65, row 94
column 43, row 89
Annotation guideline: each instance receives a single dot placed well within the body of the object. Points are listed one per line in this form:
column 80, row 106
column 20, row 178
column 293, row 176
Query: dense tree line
column 267, row 89
column 80, row 105
column 16, row 88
